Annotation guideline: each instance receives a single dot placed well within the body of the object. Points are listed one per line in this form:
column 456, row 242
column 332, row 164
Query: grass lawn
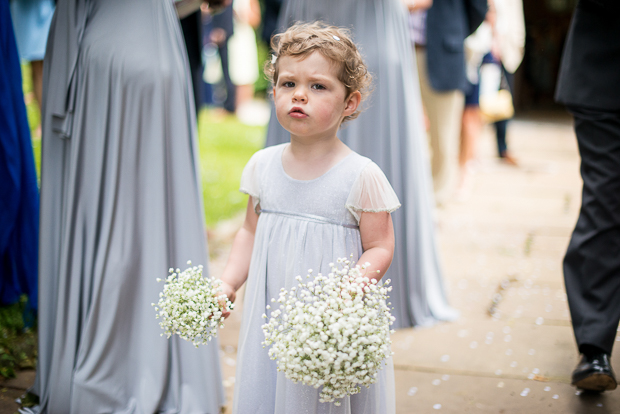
column 225, row 147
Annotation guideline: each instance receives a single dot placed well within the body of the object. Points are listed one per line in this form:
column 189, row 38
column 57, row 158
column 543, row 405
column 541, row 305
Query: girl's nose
column 299, row 95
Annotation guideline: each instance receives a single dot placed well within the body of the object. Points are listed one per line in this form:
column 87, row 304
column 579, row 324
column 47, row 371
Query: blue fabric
column 448, row 23
column 31, row 22
column 19, row 196
column 472, row 97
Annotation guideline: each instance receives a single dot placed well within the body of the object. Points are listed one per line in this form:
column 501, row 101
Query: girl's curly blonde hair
column 334, row 43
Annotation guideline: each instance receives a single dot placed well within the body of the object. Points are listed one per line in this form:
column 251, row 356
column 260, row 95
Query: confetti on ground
column 473, row 345
column 500, row 384
column 513, row 364
column 437, row 406
column 412, row 391
column 525, row 392
column 509, row 352
column 555, row 397
column 498, row 372
column 436, row 382
column 445, row 358
column 540, row 320
column 531, row 352
column 547, row 388
column 445, row 377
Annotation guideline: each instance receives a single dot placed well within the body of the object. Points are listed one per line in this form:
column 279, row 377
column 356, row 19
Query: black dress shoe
column 594, row 373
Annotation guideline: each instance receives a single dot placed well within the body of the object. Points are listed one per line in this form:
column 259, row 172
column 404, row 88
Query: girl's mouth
column 297, row 112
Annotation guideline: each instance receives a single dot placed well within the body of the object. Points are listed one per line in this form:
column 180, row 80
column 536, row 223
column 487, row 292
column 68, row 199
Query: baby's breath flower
column 191, row 305
column 332, row 331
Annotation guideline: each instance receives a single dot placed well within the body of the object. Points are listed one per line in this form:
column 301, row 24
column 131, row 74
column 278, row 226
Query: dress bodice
column 325, row 196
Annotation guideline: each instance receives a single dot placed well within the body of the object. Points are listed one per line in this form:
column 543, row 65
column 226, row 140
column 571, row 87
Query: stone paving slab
column 506, row 349
column 431, row 393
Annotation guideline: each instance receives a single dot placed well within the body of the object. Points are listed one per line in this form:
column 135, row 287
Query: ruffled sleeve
column 371, row 193
column 249, row 179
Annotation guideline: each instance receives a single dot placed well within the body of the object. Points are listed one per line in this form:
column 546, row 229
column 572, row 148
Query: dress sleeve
column 249, row 180
column 371, row 193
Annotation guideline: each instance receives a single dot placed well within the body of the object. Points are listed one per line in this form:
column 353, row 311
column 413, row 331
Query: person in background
column 508, row 48
column 440, row 58
column 243, row 64
column 589, row 85
column 19, row 193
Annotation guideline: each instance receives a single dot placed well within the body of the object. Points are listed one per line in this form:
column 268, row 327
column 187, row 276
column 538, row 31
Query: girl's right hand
column 231, row 294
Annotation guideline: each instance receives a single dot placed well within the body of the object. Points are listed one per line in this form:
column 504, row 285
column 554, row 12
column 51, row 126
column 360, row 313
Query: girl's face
column 310, row 100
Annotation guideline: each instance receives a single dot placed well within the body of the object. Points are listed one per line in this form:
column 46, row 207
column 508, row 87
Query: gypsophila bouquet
column 332, row 331
column 191, row 305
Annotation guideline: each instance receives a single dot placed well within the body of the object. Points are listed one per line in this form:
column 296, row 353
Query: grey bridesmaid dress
column 303, row 224
column 120, row 204
column 391, row 132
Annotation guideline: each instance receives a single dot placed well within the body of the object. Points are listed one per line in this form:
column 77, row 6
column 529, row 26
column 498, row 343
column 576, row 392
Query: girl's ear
column 353, row 101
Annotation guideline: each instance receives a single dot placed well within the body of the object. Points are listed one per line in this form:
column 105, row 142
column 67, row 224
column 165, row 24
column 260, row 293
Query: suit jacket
column 590, row 69
column 448, row 23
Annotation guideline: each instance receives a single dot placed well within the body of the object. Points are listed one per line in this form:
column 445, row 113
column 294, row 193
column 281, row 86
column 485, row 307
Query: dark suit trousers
column 592, row 261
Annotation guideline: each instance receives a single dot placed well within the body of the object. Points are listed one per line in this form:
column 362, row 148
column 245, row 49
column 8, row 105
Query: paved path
column 506, row 242
column 501, row 249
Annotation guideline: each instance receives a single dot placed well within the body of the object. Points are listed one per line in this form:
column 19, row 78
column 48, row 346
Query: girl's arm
column 377, row 233
column 238, row 265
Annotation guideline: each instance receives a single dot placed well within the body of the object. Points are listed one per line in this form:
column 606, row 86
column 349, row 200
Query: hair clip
column 336, row 37
column 273, row 59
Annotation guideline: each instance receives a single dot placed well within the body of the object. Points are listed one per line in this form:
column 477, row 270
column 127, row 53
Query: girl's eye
column 318, row 86
column 288, row 84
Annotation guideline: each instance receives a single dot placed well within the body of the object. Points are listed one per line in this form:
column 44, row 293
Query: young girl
column 312, row 201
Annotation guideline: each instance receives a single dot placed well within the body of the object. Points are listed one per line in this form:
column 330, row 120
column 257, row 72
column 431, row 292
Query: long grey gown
column 390, row 131
column 120, row 204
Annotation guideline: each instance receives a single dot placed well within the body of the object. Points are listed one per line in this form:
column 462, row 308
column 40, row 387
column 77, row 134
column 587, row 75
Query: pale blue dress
column 303, row 225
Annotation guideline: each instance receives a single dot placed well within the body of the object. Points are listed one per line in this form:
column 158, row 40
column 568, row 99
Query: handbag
column 495, row 97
